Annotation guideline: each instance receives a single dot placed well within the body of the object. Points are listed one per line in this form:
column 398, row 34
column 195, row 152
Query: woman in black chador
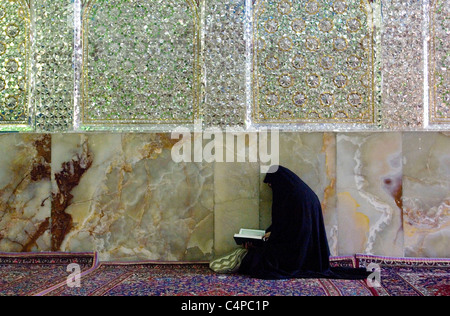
column 297, row 245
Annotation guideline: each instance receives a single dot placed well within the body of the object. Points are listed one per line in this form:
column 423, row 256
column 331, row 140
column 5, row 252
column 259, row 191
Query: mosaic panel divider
column 53, row 71
column 307, row 65
column 439, row 83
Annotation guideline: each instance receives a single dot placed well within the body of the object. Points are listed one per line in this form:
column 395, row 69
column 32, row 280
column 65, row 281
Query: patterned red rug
column 410, row 276
column 140, row 279
column 31, row 274
column 47, row 274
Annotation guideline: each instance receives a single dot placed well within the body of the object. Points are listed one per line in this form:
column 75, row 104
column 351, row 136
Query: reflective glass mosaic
column 54, row 67
column 402, row 43
column 140, row 62
column 14, row 62
column 225, row 60
column 303, row 65
column 314, row 61
column 440, row 62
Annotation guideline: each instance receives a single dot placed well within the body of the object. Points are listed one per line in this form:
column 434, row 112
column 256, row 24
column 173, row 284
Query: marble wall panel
column 236, row 204
column 236, row 191
column 25, row 192
column 369, row 191
column 124, row 197
column 426, row 194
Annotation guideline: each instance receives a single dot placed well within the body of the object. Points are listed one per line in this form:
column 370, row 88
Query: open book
column 251, row 236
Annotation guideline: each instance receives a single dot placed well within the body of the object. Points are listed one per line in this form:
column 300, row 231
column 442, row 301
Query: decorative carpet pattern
column 410, row 276
column 139, row 279
column 46, row 274
column 31, row 274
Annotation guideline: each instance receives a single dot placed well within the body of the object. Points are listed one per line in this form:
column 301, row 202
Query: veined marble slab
column 122, row 196
column 236, row 192
column 426, row 194
column 25, row 192
column 236, row 202
column 369, row 192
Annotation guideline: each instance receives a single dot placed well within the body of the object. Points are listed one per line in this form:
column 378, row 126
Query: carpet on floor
column 156, row 279
column 410, row 276
column 47, row 274
column 34, row 273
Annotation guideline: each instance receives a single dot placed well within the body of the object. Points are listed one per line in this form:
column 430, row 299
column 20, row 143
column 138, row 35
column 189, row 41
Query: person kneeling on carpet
column 296, row 244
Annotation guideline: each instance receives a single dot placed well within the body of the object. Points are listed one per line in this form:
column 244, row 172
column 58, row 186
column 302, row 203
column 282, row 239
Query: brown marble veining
column 123, row 196
column 66, row 180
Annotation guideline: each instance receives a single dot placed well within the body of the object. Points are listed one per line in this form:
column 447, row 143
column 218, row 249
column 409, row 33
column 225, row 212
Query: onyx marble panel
column 236, row 198
column 25, row 192
column 369, row 193
column 122, row 196
column 426, row 194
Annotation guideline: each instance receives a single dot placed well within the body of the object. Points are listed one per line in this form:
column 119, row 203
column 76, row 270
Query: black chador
column 298, row 245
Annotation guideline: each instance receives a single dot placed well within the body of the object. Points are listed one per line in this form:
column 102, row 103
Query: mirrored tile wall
column 301, row 65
